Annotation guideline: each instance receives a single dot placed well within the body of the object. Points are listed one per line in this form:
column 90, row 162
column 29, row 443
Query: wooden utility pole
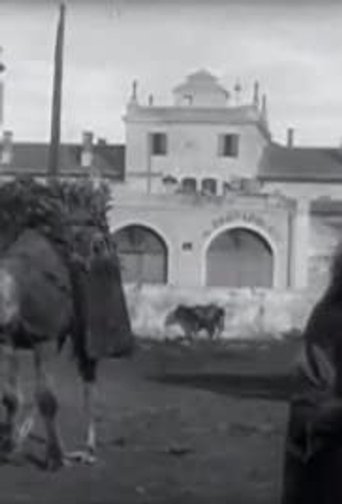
column 53, row 161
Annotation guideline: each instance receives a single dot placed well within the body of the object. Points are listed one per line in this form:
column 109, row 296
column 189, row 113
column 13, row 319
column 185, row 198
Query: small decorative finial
column 2, row 65
column 256, row 98
column 134, row 97
column 237, row 90
column 264, row 112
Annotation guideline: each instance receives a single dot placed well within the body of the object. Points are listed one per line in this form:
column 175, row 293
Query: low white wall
column 250, row 313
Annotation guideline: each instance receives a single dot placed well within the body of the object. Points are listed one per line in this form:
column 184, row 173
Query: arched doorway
column 239, row 258
column 143, row 255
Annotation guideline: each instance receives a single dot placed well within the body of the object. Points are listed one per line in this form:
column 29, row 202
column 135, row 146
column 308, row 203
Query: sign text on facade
column 238, row 216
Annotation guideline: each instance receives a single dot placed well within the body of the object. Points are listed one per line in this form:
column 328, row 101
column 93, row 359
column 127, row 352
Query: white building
column 203, row 196
column 217, row 200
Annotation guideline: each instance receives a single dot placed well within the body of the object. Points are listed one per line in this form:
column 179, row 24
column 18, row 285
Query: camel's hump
column 42, row 283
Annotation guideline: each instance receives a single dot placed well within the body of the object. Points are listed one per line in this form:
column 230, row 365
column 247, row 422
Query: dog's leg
column 220, row 328
column 188, row 332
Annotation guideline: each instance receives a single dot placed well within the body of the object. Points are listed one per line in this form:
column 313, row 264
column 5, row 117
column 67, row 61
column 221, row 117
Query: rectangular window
column 158, row 144
column 187, row 246
column 209, row 186
column 189, row 185
column 228, row 145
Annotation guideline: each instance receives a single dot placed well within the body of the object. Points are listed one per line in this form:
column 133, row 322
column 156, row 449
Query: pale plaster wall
column 193, row 150
column 192, row 219
column 324, row 239
column 302, row 244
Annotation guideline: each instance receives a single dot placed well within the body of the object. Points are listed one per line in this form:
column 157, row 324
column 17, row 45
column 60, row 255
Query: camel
column 46, row 300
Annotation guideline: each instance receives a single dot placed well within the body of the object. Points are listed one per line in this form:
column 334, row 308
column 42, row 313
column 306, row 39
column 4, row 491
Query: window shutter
column 220, row 150
column 235, row 145
column 150, row 143
column 163, row 143
column 156, row 143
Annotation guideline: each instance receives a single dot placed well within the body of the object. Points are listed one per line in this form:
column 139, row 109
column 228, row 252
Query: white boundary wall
column 250, row 313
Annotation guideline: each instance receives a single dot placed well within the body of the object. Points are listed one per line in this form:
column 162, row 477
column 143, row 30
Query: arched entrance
column 239, row 257
column 143, row 255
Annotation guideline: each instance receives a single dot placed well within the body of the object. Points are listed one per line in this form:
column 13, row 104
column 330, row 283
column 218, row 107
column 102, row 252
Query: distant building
column 88, row 158
column 203, row 196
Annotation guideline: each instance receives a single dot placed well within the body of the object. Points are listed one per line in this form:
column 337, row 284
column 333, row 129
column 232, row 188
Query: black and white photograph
column 170, row 252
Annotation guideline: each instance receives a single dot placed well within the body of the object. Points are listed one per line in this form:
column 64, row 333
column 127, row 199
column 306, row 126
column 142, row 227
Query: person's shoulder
column 325, row 319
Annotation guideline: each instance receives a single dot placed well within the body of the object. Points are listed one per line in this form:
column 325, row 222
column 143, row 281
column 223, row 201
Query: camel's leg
column 88, row 371
column 89, row 392
column 89, row 397
column 11, row 396
column 24, row 430
column 48, row 406
column 16, row 433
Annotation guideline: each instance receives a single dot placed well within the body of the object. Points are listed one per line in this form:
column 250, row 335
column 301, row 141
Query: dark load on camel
column 56, row 242
column 100, row 306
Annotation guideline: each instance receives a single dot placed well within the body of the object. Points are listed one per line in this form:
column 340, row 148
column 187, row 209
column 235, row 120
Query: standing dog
column 192, row 319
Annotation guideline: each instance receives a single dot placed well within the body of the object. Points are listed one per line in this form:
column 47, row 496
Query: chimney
column 87, row 149
column 264, row 111
column 7, row 147
column 290, row 138
column 2, row 71
column 134, row 94
column 256, row 97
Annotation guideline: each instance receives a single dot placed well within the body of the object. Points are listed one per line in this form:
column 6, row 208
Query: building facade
column 202, row 195
column 227, row 206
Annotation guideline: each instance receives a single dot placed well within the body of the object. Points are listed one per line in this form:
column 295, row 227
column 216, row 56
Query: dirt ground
column 177, row 424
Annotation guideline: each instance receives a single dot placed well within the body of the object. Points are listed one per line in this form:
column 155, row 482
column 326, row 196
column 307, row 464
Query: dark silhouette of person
column 313, row 448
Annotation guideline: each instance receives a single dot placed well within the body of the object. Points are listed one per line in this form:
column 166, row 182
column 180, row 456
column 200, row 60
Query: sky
column 293, row 48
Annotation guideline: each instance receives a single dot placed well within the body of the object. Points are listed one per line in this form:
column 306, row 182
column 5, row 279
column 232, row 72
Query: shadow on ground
column 271, row 387
column 249, row 370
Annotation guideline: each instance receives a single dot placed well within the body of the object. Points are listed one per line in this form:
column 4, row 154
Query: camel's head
column 98, row 243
